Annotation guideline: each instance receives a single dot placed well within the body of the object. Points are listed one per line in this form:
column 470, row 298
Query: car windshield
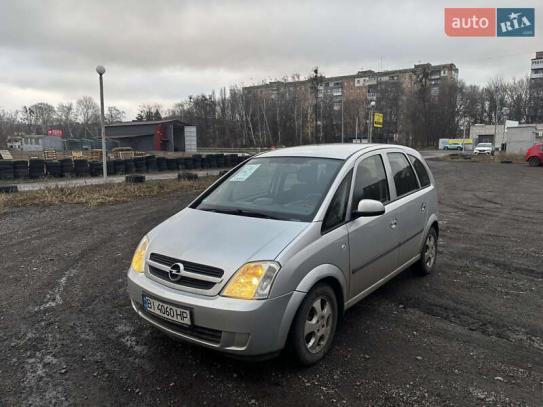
column 287, row 188
column 484, row 145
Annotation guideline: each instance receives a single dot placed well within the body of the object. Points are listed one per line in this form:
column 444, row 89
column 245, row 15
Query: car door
column 373, row 240
column 412, row 204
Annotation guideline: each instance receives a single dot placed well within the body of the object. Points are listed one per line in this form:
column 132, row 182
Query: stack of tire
column 53, row 168
column 81, row 168
column 161, row 163
column 196, row 161
column 171, row 164
column 211, row 161
column 220, row 160
column 6, row 169
column 227, row 160
column 204, row 163
column 96, row 168
column 150, row 163
column 180, row 163
column 36, row 168
column 139, row 164
column 110, row 167
column 119, row 166
column 67, row 167
column 189, row 163
column 129, row 165
column 20, row 168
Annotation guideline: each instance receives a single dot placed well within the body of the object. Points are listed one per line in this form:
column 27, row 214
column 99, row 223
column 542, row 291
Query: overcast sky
column 161, row 51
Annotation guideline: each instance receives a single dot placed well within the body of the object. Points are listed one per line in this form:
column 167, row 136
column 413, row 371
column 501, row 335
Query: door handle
column 393, row 223
column 423, row 207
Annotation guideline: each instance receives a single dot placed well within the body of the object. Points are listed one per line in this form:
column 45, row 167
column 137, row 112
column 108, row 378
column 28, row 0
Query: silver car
column 274, row 252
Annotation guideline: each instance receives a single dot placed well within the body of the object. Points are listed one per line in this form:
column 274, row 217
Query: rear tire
column 314, row 325
column 534, row 162
column 428, row 254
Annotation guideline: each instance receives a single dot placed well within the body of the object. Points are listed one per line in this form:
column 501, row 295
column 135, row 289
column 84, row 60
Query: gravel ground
column 470, row 334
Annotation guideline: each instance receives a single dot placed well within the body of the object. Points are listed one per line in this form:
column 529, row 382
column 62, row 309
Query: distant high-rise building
column 535, row 105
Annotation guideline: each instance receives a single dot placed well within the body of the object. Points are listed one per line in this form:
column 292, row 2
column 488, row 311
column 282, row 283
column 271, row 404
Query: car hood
column 483, row 148
column 222, row 240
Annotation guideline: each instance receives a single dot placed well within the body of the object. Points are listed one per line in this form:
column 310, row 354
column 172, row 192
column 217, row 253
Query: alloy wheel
column 430, row 251
column 318, row 325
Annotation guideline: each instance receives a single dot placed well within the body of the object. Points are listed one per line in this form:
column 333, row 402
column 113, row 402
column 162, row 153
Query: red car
column 534, row 155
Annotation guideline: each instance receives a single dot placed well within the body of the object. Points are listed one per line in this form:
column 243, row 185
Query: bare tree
column 66, row 115
column 114, row 115
column 44, row 114
column 88, row 113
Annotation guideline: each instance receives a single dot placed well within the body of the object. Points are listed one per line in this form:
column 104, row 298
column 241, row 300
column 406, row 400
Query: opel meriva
column 275, row 251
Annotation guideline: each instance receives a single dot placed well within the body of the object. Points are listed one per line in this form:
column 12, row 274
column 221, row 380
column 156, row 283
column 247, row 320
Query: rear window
column 424, row 178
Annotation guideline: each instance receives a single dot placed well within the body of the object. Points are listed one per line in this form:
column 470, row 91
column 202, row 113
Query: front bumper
column 242, row 327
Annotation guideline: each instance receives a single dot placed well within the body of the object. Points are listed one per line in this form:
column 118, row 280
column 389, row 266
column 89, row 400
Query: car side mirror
column 369, row 207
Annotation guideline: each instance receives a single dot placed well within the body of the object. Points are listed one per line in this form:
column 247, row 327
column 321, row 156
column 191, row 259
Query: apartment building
column 355, row 91
column 535, row 105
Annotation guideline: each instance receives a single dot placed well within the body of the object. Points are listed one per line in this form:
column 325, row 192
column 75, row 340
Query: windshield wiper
column 242, row 212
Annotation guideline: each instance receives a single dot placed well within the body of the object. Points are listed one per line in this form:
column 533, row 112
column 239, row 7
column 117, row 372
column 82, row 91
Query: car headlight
column 138, row 261
column 252, row 281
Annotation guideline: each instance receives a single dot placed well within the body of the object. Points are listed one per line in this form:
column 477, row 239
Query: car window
column 403, row 174
column 371, row 181
column 335, row 215
column 424, row 178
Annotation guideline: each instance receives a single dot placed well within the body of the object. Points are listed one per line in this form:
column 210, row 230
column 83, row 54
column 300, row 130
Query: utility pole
column 342, row 98
column 316, row 85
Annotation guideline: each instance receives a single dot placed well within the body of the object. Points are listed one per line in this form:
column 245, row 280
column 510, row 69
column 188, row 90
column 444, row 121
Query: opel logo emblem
column 175, row 271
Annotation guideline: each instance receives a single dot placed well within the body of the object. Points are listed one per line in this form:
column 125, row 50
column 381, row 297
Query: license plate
column 168, row 311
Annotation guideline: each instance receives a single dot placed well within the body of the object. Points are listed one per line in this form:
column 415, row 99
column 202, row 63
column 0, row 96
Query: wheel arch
column 326, row 273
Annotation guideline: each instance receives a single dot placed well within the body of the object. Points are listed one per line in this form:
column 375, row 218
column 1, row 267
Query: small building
column 487, row 133
column 522, row 137
column 37, row 142
column 156, row 135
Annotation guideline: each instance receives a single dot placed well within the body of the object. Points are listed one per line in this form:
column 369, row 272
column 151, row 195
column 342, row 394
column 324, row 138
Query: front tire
column 534, row 162
column 314, row 325
column 428, row 255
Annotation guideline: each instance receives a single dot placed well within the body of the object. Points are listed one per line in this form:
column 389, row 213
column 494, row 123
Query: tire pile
column 53, row 168
column 36, row 168
column 7, row 169
column 39, row 168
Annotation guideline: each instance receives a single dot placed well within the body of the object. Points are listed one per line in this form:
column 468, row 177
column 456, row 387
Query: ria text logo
column 490, row 22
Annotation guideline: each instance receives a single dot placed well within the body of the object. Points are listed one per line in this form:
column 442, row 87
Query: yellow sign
column 460, row 141
column 378, row 120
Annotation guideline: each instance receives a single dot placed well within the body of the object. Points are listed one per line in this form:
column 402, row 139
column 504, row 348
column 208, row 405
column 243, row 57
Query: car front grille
column 198, row 332
column 184, row 281
column 200, row 276
column 189, row 266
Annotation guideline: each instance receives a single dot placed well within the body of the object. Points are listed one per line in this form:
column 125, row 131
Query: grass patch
column 94, row 195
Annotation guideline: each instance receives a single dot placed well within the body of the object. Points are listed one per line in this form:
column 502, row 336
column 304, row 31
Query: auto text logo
column 490, row 22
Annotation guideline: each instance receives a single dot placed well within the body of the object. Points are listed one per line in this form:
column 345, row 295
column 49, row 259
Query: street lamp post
column 370, row 122
column 101, row 71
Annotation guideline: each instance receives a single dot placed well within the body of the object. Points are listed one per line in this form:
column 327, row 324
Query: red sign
column 55, row 132
column 470, row 22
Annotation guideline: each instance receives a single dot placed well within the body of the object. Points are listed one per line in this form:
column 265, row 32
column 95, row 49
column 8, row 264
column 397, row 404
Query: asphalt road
column 471, row 334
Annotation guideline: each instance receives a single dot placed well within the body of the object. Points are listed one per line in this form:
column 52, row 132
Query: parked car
column 274, row 252
column 458, row 147
column 534, row 155
column 483, row 148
